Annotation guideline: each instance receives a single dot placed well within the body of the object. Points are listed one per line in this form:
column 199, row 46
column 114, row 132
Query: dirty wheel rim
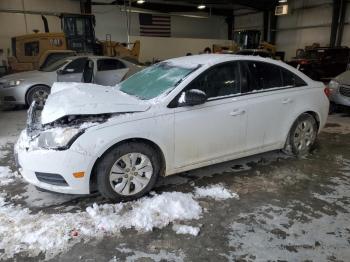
column 130, row 174
column 304, row 136
column 40, row 96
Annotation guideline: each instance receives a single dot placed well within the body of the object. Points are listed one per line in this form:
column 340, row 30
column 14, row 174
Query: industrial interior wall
column 15, row 24
column 161, row 48
column 346, row 32
column 112, row 20
column 308, row 22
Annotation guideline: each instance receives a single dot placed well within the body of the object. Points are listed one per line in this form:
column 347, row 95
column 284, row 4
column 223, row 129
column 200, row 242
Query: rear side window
column 291, row 79
column 77, row 65
column 259, row 76
column 109, row 64
column 221, row 80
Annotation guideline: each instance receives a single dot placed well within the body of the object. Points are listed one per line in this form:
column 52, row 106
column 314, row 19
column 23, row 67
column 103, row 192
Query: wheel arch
column 314, row 114
column 93, row 175
column 30, row 88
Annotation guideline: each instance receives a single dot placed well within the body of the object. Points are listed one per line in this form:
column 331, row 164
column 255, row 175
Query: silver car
column 340, row 90
column 25, row 87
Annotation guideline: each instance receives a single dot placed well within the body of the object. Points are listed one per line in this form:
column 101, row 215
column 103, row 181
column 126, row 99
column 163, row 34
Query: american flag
column 154, row 25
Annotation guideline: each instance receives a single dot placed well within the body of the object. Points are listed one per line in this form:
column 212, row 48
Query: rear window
column 291, row 79
column 109, row 64
column 258, row 76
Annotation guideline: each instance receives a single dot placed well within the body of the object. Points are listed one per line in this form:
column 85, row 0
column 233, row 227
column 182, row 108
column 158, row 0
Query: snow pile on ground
column 184, row 229
column 6, row 175
column 22, row 231
column 218, row 192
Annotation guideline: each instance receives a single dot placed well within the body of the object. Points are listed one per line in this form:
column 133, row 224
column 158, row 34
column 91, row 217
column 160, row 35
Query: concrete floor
column 289, row 209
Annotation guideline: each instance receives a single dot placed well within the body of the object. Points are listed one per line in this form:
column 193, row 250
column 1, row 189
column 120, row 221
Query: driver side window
column 77, row 65
column 218, row 81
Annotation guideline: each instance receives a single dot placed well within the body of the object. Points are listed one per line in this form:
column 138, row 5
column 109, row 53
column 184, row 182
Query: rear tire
column 39, row 94
column 128, row 171
column 302, row 135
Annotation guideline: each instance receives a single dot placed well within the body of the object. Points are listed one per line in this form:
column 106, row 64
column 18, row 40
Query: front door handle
column 237, row 112
column 287, row 101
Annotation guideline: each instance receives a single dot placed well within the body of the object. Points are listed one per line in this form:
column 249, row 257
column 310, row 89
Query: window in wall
column 221, row 80
column 31, row 48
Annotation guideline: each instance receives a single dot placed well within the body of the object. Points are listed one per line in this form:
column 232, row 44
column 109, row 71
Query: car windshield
column 155, row 80
column 54, row 66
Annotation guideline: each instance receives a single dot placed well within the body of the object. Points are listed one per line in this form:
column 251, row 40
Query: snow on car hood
column 88, row 99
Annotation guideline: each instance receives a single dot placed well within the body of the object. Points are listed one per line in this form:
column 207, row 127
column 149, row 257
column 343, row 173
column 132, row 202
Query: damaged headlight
column 58, row 138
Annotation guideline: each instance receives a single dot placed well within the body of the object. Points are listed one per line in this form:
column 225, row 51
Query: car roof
column 211, row 59
column 91, row 57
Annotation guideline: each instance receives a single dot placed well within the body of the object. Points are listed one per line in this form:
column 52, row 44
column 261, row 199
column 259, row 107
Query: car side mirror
column 192, row 97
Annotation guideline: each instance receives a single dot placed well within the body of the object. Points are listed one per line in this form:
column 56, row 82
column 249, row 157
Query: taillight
column 327, row 91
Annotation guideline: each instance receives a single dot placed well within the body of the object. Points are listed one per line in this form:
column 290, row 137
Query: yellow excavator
column 130, row 51
column 33, row 51
column 246, row 40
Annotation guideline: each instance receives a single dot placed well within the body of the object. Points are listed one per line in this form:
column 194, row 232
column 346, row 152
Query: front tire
column 303, row 135
column 128, row 171
column 38, row 94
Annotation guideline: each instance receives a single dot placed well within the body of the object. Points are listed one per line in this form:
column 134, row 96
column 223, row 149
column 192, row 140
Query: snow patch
column 6, row 175
column 22, row 231
column 184, row 229
column 218, row 192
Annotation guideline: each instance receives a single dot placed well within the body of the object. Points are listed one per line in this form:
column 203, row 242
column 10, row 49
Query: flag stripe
column 155, row 25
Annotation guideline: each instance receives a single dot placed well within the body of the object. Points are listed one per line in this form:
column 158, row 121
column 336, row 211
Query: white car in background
column 25, row 87
column 340, row 91
column 174, row 116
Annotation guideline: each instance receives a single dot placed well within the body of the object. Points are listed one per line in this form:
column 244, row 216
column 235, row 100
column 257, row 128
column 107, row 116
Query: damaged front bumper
column 53, row 170
column 48, row 168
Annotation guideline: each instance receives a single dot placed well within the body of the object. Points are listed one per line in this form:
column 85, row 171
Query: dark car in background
column 322, row 63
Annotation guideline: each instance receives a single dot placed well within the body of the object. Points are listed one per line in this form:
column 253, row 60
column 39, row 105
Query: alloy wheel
column 130, row 174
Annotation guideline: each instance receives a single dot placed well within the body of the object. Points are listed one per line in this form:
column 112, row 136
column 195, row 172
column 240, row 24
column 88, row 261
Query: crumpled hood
column 88, row 99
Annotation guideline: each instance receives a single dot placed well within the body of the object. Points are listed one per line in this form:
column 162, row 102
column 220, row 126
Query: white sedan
column 25, row 87
column 174, row 116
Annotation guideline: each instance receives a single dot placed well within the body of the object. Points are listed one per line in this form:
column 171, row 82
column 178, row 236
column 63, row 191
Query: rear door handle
column 237, row 112
column 287, row 101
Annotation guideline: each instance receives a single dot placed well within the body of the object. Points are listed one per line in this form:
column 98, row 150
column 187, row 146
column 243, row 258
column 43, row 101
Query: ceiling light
column 201, row 6
column 140, row 2
column 282, row 1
